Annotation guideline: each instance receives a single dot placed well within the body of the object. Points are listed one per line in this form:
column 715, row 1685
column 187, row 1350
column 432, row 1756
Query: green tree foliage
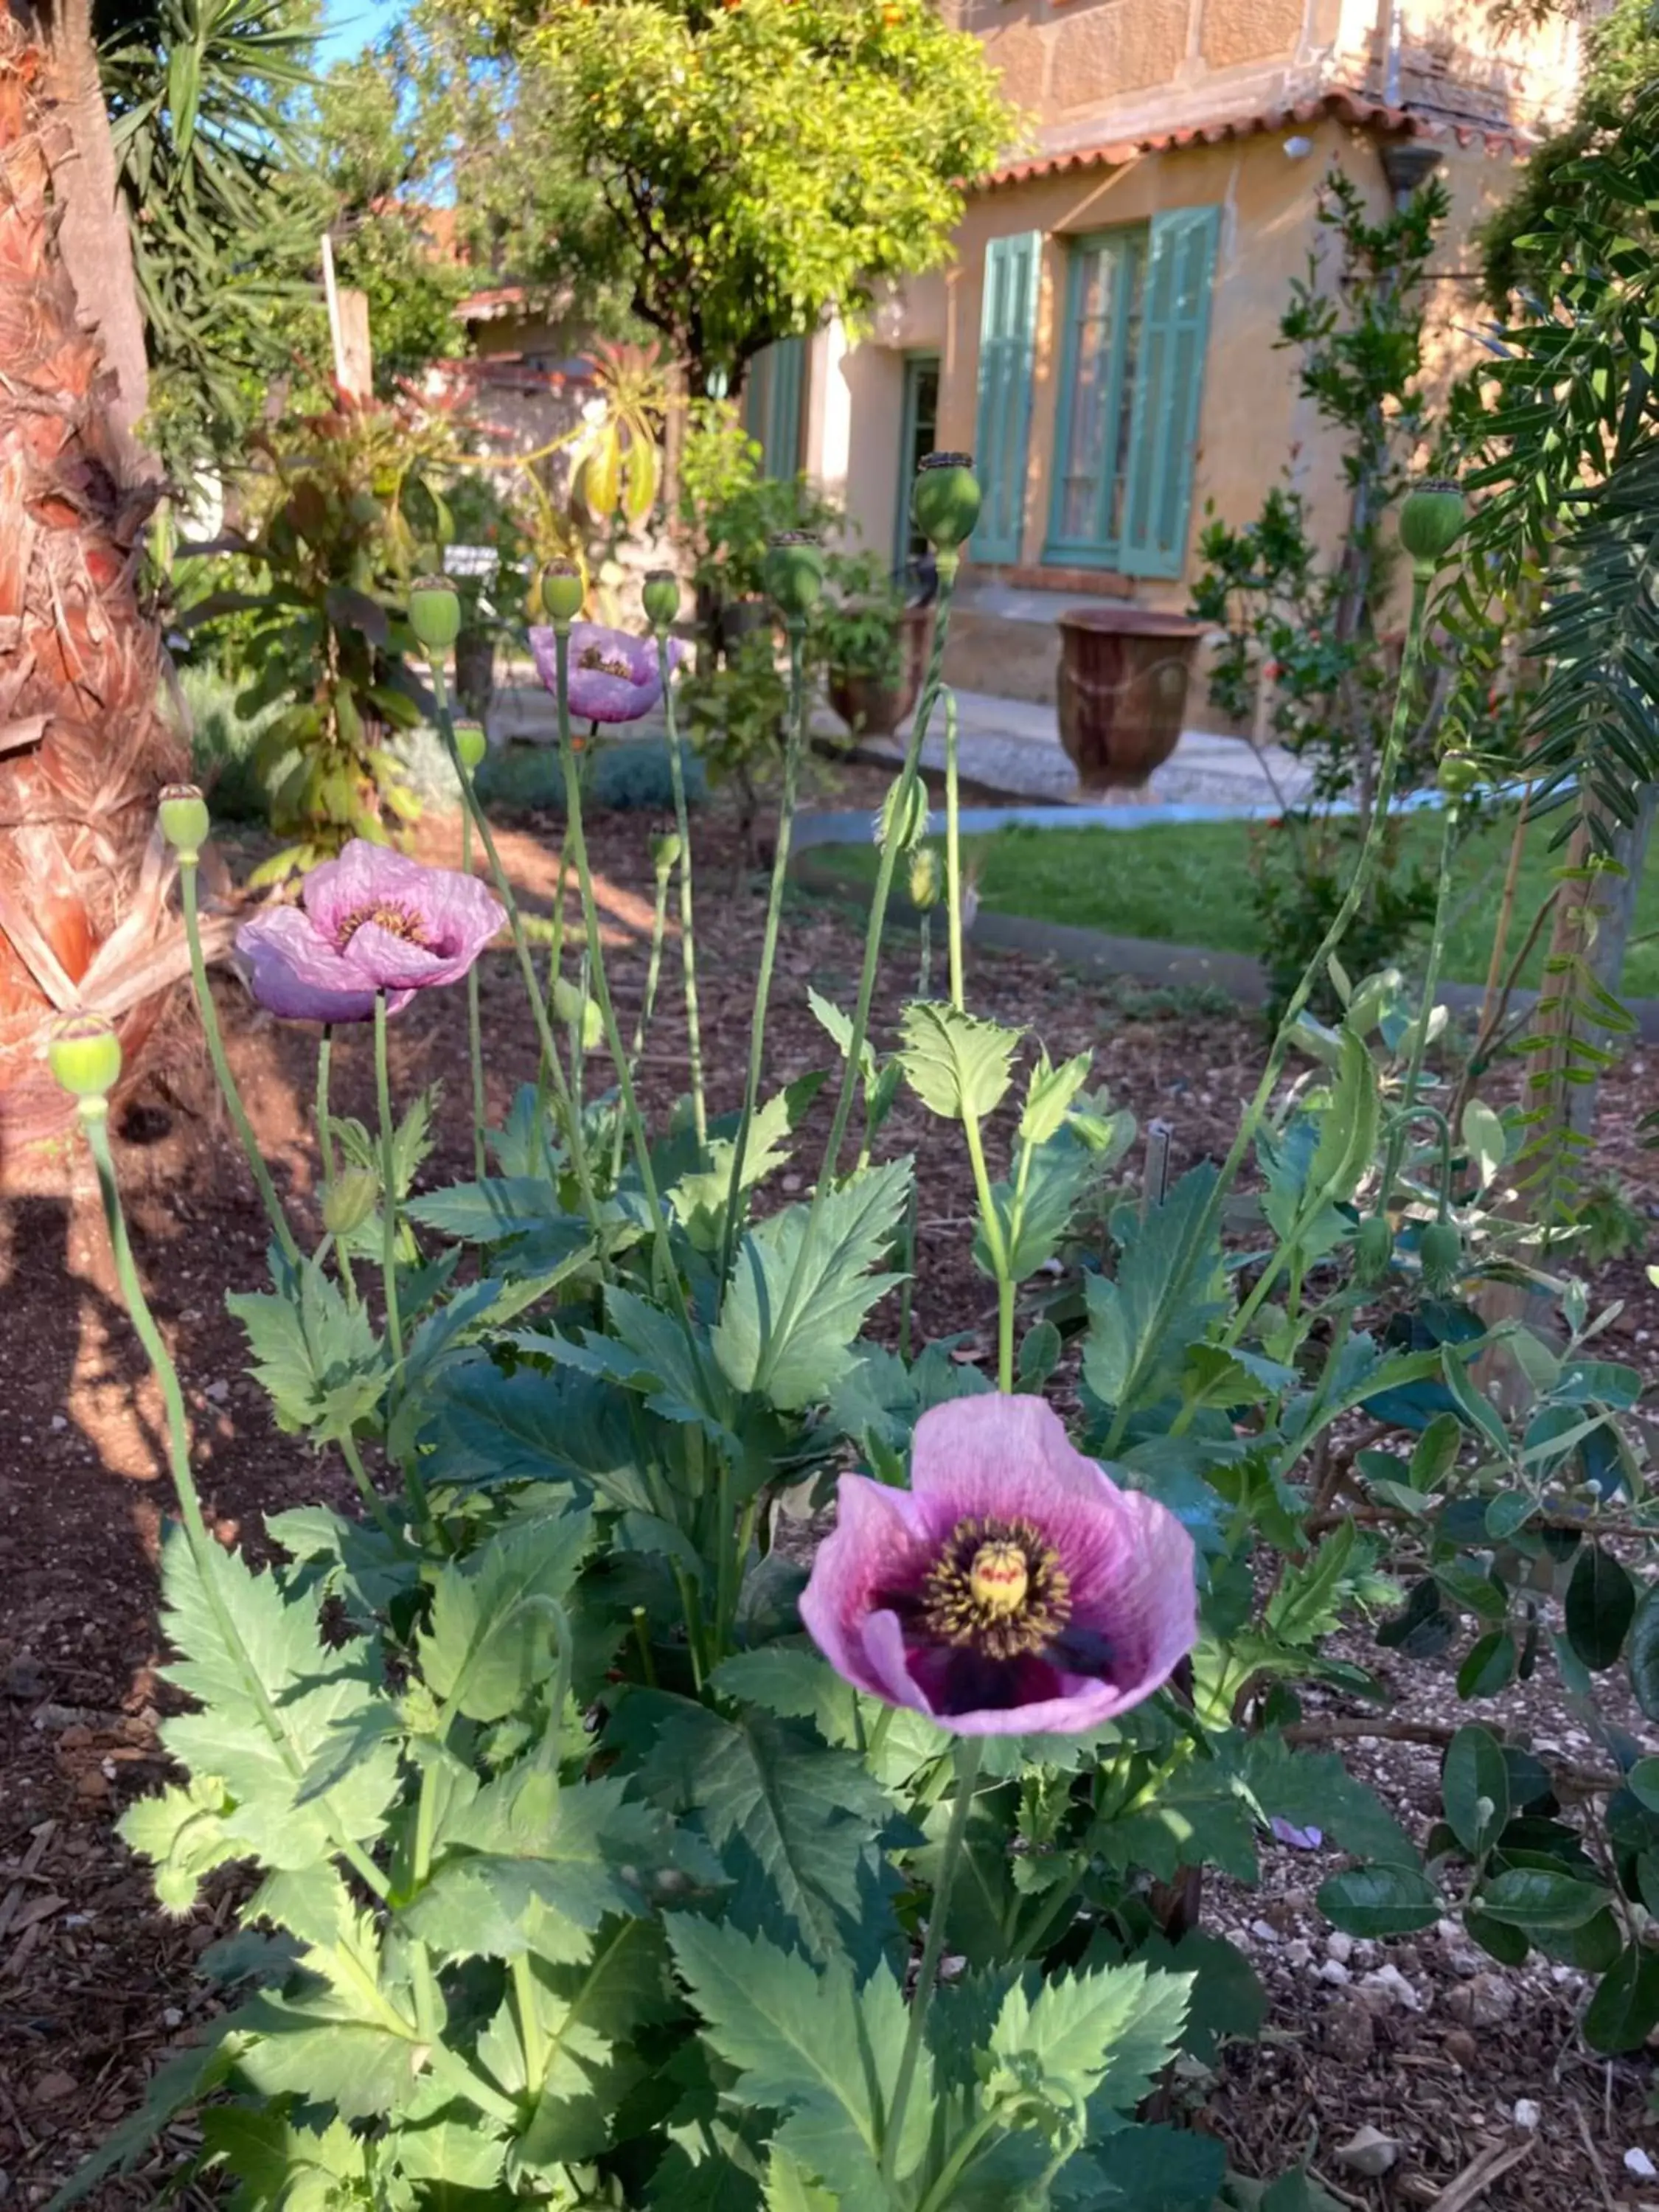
column 755, row 163
column 1621, row 55
column 224, row 219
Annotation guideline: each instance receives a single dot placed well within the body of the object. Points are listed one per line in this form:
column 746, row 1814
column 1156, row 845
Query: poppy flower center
column 396, row 920
column 998, row 1587
column 608, row 663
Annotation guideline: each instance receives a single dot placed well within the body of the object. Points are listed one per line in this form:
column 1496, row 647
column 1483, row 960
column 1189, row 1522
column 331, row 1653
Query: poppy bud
column 350, row 1200
column 472, row 745
column 793, row 571
column 434, row 613
column 1373, row 1249
column 562, row 591
column 1441, row 1250
column 926, row 883
column 945, row 499
column 84, row 1055
column 906, row 822
column 184, row 817
column 1458, row 774
column 1430, row 519
column 660, row 597
column 664, row 851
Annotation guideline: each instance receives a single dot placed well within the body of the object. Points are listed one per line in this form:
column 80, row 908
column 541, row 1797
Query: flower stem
column 996, row 1244
column 215, row 1045
column 794, row 745
column 325, row 1153
column 474, row 1024
column 953, row 850
column 652, row 975
column 366, row 1490
column 388, row 1187
column 1414, row 1076
column 909, row 776
column 551, row 1059
column 577, row 843
column 94, row 1122
column 968, row 1750
column 688, row 933
column 1198, row 1236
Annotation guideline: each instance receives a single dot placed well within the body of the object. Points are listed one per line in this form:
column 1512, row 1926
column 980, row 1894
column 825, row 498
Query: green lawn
column 1189, row 884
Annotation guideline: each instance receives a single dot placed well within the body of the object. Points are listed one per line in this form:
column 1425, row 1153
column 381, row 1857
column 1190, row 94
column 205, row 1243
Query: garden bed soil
column 97, row 1985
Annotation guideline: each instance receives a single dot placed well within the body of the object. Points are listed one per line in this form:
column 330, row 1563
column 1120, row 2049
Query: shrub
column 632, row 777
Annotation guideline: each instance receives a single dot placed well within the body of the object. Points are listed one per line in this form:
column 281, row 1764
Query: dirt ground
column 1476, row 2074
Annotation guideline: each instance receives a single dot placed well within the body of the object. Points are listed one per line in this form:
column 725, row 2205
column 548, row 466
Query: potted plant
column 731, row 512
column 871, row 644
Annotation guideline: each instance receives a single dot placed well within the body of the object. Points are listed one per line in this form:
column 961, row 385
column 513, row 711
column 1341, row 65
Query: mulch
column 97, row 1984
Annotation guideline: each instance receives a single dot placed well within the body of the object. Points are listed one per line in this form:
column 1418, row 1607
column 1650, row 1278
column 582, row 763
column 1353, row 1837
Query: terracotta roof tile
column 1347, row 107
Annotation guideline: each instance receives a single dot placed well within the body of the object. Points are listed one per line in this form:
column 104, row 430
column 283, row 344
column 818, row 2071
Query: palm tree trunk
column 83, row 745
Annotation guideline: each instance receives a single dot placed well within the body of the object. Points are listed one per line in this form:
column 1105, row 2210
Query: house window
column 917, row 436
column 1104, row 296
column 772, row 409
column 1136, row 322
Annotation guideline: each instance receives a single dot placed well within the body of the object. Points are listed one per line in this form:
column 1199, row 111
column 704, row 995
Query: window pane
column 1085, row 429
column 1132, row 290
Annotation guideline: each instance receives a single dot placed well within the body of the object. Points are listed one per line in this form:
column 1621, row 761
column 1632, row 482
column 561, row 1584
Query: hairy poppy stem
column 953, row 850
column 325, row 1154
column 215, row 1045
column 388, row 1185
column 688, row 934
column 474, row 1022
column 904, row 789
column 969, row 1750
column 793, row 746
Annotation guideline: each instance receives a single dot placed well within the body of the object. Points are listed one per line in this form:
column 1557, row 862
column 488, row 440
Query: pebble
column 1348, row 2032
column 1527, row 2114
column 1390, row 1982
column 218, row 1391
column 1369, row 2152
column 1338, row 1946
column 1638, row 2163
column 59, row 1422
column 1264, row 1931
column 1486, row 2002
column 1461, row 2047
column 1298, row 1954
column 51, row 2088
column 171, row 2017
column 1335, row 1974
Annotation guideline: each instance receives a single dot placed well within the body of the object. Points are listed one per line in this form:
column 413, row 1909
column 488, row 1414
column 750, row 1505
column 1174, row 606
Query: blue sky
column 350, row 24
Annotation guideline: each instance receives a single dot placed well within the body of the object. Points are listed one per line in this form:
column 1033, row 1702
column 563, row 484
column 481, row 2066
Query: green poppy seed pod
column 350, row 1200
column 664, row 851
column 793, row 572
column 660, row 597
column 1441, row 1250
column 183, row 814
column 472, row 745
column 926, row 879
column 1430, row 519
column 1458, row 774
column 84, row 1055
column 1373, row 1249
column 945, row 499
column 562, row 590
column 434, row 613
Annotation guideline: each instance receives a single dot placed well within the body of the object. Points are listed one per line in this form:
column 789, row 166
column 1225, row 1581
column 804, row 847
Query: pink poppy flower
column 1013, row 1590
column 614, row 678
column 371, row 920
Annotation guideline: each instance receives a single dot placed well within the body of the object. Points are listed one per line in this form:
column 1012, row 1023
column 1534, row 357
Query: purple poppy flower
column 1013, row 1590
column 614, row 678
column 371, row 920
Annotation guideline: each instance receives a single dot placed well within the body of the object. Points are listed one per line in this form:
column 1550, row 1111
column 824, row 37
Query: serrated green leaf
column 275, row 2161
column 183, row 1833
column 1142, row 1322
column 1049, row 1097
column 270, row 1702
column 317, row 1358
column 588, row 2012
column 955, row 1064
column 498, row 1209
column 795, row 1826
column 492, row 1635
column 698, row 1200
column 796, row 1355
column 806, row 2043
column 1105, row 2035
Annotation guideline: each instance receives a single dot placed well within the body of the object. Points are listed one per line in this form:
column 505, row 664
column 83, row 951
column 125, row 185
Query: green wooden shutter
column 1169, row 386
column 772, row 405
column 1007, row 349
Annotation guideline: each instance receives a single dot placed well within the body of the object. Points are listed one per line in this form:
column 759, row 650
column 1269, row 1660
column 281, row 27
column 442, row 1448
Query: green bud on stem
column 350, row 1200
column 472, row 745
column 434, row 613
column 1373, row 1249
column 84, row 1055
column 926, row 879
column 793, row 571
column 183, row 814
column 1441, row 1250
column 1430, row 519
column 1457, row 775
column 660, row 597
column 945, row 499
column 563, row 591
